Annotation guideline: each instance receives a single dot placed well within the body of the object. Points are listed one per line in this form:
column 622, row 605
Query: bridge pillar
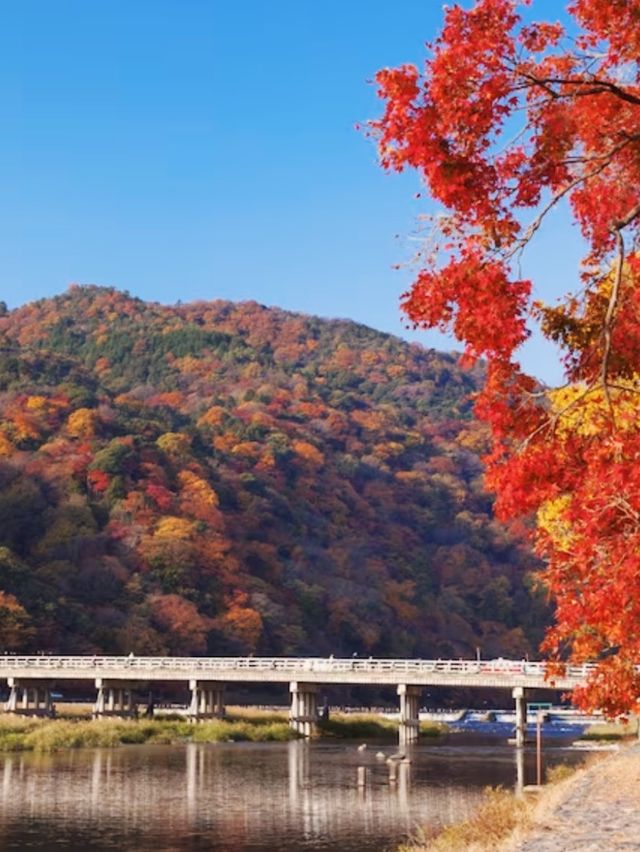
column 303, row 716
column 113, row 698
column 521, row 715
column 409, row 713
column 29, row 697
column 207, row 700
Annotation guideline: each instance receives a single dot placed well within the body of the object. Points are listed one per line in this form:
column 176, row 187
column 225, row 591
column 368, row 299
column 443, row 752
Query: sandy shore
column 596, row 809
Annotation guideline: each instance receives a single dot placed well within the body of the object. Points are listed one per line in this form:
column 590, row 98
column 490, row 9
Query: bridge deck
column 320, row 670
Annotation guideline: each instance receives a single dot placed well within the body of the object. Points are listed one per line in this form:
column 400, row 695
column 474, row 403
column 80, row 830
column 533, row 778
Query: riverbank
column 594, row 808
column 20, row 733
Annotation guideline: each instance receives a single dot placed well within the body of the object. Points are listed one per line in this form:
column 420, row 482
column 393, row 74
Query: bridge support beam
column 303, row 716
column 207, row 700
column 521, row 715
column 115, row 698
column 409, row 713
column 29, row 697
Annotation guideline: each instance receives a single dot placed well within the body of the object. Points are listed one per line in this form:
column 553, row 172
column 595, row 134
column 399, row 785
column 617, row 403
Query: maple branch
column 613, row 300
column 552, row 422
column 620, row 502
column 624, row 388
column 535, row 224
column 606, row 160
column 628, row 219
column 597, row 87
column 628, row 138
column 610, row 314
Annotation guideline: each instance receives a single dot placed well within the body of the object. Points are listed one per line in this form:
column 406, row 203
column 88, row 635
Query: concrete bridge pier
column 521, row 715
column 29, row 698
column 207, row 700
column 115, row 698
column 303, row 716
column 409, row 713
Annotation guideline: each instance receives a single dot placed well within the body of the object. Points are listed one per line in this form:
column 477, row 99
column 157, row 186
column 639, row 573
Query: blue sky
column 201, row 149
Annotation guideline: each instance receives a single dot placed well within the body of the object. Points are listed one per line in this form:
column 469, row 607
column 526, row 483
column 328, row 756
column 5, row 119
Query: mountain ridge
column 230, row 478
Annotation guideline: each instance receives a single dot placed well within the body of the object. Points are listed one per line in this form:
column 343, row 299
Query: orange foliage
column 36, row 403
column 197, row 497
column 82, row 423
column 247, row 449
column 6, row 447
column 172, row 527
column 242, row 622
column 98, row 480
column 212, row 417
column 15, row 627
column 187, row 628
column 172, row 399
column 308, row 452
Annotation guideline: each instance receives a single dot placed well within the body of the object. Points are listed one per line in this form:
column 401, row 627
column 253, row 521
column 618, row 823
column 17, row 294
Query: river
column 237, row 797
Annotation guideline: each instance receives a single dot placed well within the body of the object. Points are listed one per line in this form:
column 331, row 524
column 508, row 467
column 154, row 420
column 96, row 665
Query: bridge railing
column 291, row 665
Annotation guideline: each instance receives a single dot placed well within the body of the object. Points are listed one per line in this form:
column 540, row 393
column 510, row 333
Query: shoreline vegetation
column 504, row 817
column 76, row 730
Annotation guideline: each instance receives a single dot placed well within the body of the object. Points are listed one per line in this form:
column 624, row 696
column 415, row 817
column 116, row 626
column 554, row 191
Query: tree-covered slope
column 225, row 478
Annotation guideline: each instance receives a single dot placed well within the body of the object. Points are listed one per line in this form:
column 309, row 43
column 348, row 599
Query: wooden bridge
column 31, row 680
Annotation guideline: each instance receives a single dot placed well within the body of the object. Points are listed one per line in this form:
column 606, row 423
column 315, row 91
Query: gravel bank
column 598, row 809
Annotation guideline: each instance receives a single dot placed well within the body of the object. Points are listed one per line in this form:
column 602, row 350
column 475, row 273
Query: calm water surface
column 246, row 797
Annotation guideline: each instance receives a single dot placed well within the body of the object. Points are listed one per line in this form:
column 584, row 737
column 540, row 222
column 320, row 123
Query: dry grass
column 371, row 726
column 504, row 819
column 74, row 709
column 74, row 729
column 19, row 733
column 358, row 726
column 496, row 818
column 611, row 730
column 257, row 714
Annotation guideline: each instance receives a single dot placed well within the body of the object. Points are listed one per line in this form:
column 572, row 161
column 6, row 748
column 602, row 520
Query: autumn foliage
column 219, row 478
column 508, row 119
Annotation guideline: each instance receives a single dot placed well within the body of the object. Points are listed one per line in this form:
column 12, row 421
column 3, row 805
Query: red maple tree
column 506, row 121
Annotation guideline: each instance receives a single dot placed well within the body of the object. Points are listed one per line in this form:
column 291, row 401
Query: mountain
column 230, row 478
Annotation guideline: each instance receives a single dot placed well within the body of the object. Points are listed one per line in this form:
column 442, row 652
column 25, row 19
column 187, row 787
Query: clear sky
column 202, row 149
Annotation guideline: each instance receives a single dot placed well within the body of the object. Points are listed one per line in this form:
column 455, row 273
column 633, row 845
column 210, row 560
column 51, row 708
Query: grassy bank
column 363, row 726
column 496, row 818
column 612, row 731
column 503, row 816
column 44, row 735
column 20, row 733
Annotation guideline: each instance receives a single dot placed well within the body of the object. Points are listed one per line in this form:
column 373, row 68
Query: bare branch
column 552, row 422
column 535, row 224
column 608, row 321
column 628, row 219
column 596, row 87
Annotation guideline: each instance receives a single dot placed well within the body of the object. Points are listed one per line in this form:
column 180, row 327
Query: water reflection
column 242, row 797
column 519, row 755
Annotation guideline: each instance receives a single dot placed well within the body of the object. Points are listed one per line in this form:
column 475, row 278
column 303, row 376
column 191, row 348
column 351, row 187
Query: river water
column 237, row 797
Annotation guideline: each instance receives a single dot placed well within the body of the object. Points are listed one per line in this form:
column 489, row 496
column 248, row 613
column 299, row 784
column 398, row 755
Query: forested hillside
column 230, row 478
